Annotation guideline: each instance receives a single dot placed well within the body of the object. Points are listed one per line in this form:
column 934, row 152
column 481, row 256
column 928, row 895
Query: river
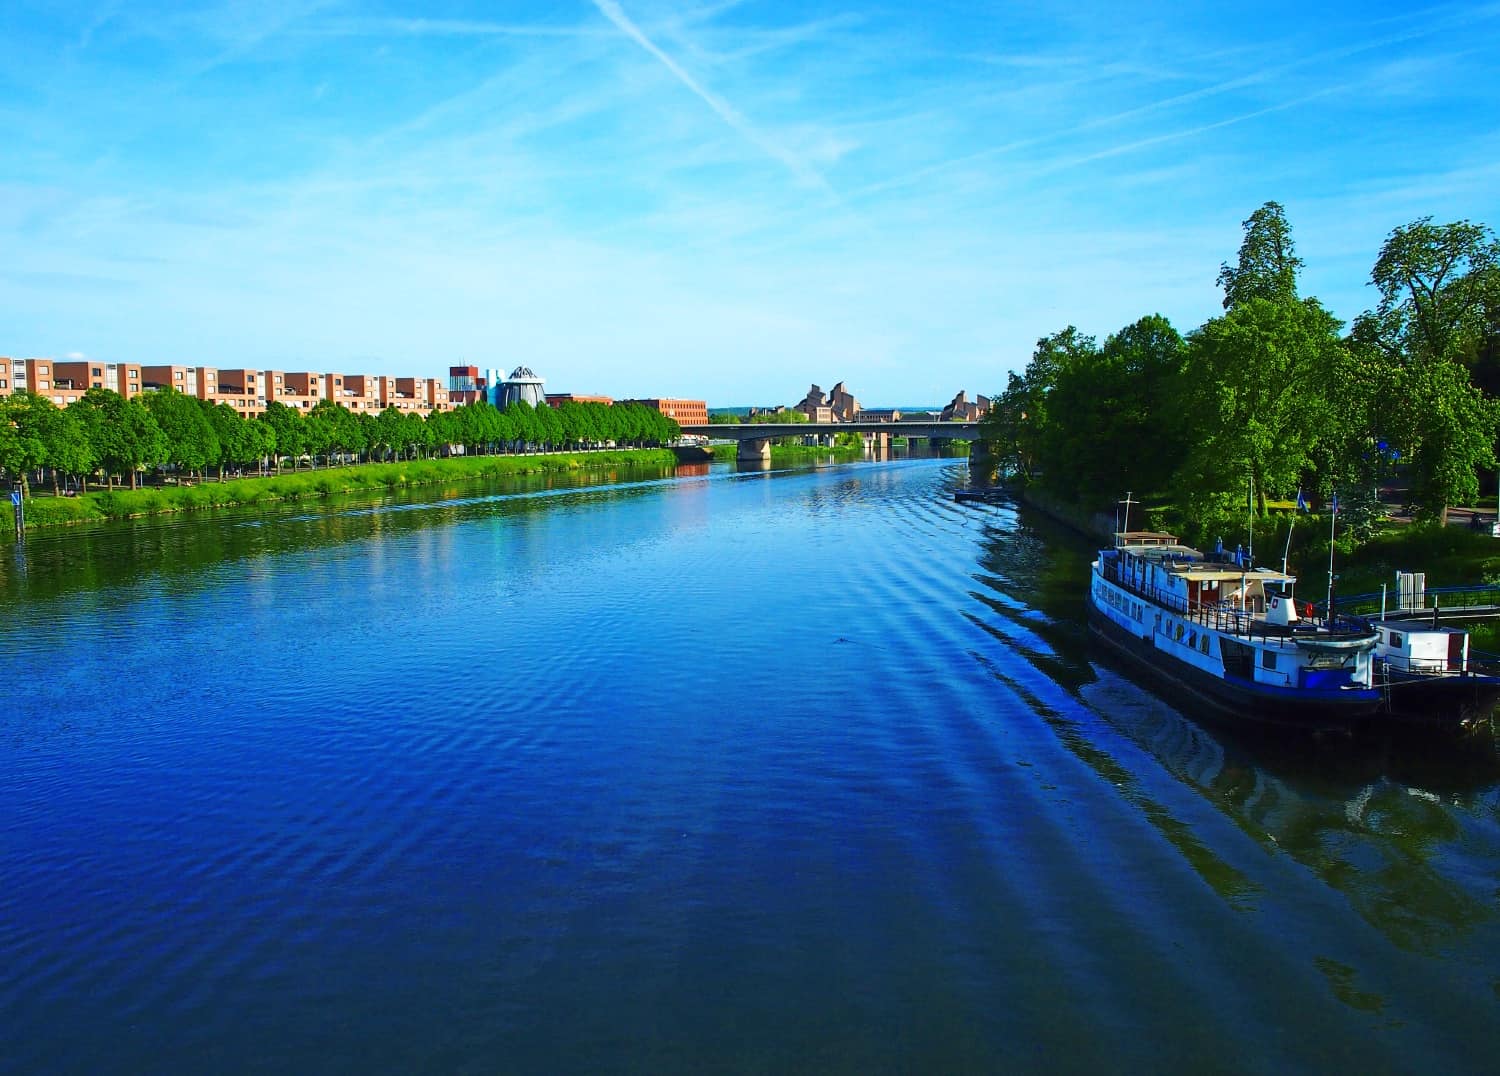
column 812, row 769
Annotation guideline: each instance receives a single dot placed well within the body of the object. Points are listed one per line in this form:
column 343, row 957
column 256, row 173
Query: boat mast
column 1127, row 502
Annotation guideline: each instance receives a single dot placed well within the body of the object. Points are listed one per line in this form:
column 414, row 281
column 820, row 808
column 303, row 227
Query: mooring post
column 20, row 509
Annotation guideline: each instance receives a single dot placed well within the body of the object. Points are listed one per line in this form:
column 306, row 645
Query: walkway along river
column 809, row 769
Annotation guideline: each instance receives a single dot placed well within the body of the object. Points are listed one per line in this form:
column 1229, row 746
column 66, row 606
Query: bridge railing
column 1442, row 598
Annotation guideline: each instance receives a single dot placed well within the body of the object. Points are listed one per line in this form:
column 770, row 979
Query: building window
column 96, row 372
column 4, row 384
column 177, row 375
column 57, row 399
column 97, row 385
column 134, row 374
column 44, row 384
column 41, row 369
column 278, row 379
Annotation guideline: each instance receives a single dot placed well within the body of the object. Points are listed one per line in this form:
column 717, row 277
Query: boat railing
column 1234, row 620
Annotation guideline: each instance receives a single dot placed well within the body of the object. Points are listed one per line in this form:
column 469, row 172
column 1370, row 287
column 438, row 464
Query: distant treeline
column 1275, row 392
column 103, row 434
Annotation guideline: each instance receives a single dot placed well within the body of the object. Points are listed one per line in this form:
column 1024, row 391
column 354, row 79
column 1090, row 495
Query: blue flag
column 1301, row 502
column 1335, row 502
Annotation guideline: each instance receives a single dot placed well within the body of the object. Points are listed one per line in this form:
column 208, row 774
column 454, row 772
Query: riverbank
column 1449, row 556
column 790, row 453
column 42, row 512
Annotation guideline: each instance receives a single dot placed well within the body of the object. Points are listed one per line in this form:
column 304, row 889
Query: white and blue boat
column 1230, row 636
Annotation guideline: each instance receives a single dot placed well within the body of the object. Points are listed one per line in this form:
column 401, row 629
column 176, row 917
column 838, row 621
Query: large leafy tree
column 1268, row 263
column 123, row 434
column 1254, row 390
column 67, row 444
column 22, row 449
column 286, row 425
column 238, row 446
column 1020, row 430
column 191, row 443
column 1439, row 294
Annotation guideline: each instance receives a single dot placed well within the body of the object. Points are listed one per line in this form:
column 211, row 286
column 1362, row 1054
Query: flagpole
column 1333, row 523
column 1251, row 507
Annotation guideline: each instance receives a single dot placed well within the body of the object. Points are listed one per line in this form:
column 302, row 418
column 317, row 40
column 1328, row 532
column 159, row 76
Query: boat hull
column 1234, row 699
column 1456, row 700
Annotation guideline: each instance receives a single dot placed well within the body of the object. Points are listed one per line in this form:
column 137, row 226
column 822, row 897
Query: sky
column 722, row 201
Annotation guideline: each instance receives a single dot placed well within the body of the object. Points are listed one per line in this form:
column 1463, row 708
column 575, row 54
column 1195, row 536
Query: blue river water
column 808, row 770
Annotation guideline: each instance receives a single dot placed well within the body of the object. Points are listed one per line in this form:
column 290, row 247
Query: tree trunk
column 135, row 477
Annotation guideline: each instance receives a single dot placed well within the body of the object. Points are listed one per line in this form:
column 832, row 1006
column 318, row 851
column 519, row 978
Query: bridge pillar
column 982, row 462
column 754, row 450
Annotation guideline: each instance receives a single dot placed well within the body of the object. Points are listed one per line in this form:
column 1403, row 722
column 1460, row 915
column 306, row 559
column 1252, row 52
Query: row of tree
column 107, row 435
column 1274, row 393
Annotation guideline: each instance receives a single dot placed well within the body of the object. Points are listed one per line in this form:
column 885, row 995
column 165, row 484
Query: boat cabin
column 1423, row 649
column 1180, row 577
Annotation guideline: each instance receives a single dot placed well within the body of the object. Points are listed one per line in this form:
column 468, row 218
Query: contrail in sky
column 612, row 11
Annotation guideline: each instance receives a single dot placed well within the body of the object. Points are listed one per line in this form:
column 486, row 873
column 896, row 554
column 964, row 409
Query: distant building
column 683, row 412
column 521, row 386
column 466, row 385
column 879, row 414
column 838, row 406
column 557, row 399
column 961, row 410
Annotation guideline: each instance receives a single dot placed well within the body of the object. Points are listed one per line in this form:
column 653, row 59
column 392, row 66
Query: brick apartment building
column 247, row 391
column 683, row 412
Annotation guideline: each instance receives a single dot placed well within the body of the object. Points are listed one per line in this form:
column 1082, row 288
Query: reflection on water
column 788, row 769
column 1376, row 818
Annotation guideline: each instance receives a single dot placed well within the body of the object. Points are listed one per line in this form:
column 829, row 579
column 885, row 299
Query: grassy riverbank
column 42, row 511
column 793, row 453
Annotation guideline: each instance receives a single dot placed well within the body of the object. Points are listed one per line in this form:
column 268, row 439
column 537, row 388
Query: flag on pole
column 1335, row 502
column 1301, row 502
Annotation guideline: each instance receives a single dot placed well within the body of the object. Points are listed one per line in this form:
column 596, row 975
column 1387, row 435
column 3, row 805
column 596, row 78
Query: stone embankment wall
column 1100, row 525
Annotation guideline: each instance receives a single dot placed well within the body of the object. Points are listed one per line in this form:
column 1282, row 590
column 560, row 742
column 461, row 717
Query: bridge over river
column 755, row 438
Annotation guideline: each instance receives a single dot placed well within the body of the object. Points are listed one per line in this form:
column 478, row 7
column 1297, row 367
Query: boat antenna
column 1127, row 502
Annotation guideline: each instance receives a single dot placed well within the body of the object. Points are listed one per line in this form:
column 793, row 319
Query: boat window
column 1396, row 639
column 1268, row 659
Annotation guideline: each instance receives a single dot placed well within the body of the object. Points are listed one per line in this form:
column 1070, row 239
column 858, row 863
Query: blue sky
column 722, row 200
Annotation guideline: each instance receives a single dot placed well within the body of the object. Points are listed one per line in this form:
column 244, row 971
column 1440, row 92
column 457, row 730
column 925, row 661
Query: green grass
column 47, row 511
column 1451, row 557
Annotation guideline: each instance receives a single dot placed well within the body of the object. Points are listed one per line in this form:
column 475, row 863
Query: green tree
column 191, row 444
column 22, row 449
column 67, row 444
column 1439, row 297
column 1268, row 262
column 286, row 426
column 1117, row 396
column 390, row 431
column 123, row 434
column 1018, row 430
column 1254, row 393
